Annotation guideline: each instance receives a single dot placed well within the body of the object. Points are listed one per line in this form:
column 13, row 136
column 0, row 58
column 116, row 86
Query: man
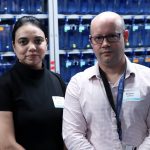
column 107, row 107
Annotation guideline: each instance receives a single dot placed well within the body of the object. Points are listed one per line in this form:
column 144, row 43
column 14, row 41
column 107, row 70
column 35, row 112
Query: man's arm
column 146, row 143
column 74, row 123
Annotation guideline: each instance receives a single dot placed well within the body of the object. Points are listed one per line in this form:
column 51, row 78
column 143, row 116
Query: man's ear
column 90, row 40
column 126, row 36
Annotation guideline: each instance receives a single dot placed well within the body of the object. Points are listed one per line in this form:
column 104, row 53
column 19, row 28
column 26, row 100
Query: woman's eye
column 39, row 41
column 23, row 42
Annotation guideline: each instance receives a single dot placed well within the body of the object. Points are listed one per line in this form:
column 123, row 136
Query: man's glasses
column 110, row 38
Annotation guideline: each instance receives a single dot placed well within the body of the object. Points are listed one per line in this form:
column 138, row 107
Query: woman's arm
column 65, row 147
column 7, row 135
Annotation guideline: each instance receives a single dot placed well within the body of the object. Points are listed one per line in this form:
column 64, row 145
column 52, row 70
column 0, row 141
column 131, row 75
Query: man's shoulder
column 80, row 80
column 140, row 67
column 86, row 74
column 141, row 71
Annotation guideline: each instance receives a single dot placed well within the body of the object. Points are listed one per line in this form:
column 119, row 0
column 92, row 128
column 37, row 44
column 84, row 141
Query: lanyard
column 116, row 108
column 119, row 102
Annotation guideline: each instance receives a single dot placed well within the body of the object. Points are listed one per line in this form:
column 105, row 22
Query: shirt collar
column 94, row 71
column 130, row 68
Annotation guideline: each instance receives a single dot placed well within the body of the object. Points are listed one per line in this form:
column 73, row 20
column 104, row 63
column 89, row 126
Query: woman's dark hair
column 27, row 19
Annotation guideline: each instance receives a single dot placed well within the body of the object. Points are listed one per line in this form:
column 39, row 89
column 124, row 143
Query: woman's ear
column 13, row 45
column 47, row 43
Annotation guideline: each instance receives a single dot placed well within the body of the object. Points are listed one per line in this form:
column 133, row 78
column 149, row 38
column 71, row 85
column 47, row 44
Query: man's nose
column 105, row 42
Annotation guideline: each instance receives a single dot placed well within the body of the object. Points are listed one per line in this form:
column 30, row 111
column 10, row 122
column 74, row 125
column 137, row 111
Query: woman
column 31, row 97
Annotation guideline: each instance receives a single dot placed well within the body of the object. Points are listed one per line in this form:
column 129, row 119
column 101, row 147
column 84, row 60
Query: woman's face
column 30, row 45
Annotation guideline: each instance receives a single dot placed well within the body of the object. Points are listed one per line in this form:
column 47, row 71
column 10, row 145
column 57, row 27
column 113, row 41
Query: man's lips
column 106, row 52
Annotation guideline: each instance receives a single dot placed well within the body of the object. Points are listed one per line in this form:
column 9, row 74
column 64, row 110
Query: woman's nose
column 32, row 47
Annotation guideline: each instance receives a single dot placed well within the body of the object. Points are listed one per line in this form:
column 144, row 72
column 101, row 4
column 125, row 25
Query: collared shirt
column 89, row 123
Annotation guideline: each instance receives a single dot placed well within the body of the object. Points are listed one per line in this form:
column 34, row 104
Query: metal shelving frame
column 50, row 17
column 58, row 17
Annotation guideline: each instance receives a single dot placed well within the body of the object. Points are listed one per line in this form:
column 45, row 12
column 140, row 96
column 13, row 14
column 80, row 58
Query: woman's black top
column 28, row 94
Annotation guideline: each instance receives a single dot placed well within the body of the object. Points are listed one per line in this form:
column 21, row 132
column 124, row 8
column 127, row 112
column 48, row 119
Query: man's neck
column 113, row 73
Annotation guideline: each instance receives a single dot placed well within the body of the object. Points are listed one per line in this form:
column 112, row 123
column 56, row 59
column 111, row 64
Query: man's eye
column 112, row 36
column 98, row 38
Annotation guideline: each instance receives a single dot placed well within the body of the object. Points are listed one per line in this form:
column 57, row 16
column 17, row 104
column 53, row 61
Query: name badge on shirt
column 128, row 147
column 131, row 95
column 58, row 101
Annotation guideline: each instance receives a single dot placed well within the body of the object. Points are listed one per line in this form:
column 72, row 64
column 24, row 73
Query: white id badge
column 129, row 148
column 58, row 101
column 132, row 95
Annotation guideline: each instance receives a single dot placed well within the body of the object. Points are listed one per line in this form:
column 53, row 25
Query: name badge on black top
column 58, row 101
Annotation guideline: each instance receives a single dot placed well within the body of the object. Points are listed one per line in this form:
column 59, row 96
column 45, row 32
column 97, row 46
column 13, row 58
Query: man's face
column 108, row 42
